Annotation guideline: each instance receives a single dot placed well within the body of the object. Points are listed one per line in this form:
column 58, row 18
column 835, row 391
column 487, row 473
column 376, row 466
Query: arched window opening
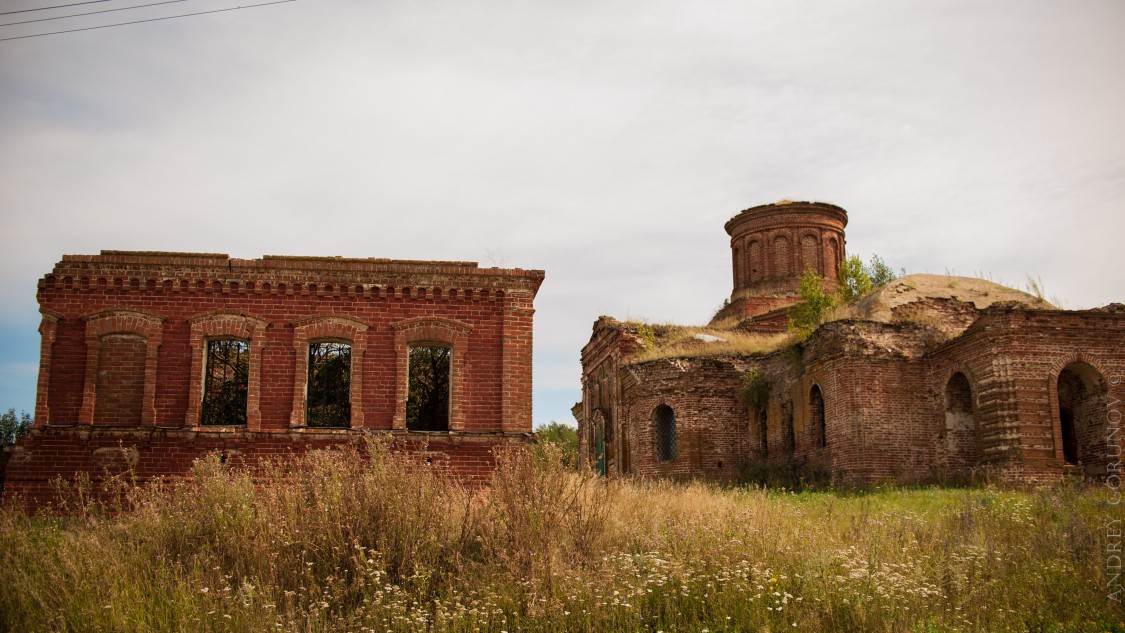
column 226, row 380
column 1082, row 419
column 810, row 255
column 831, row 258
column 754, row 255
column 763, row 434
column 781, row 257
column 738, row 277
column 816, row 417
column 427, row 403
column 120, row 380
column 790, row 435
column 664, row 421
column 960, row 430
column 329, row 384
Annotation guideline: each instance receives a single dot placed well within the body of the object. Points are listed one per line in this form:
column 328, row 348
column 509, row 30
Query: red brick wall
column 712, row 426
column 115, row 307
column 49, row 452
column 884, row 391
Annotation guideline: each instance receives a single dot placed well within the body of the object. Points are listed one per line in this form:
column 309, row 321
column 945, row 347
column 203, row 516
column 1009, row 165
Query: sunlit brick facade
column 124, row 357
column 939, row 389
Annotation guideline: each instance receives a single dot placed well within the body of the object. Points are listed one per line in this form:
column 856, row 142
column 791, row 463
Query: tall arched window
column 226, row 370
column 816, row 417
column 328, row 377
column 328, row 390
column 782, row 266
column 664, row 426
column 226, row 381
column 427, row 401
column 763, row 434
column 810, row 255
column 754, row 261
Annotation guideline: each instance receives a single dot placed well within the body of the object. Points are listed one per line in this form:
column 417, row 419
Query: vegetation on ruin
column 339, row 543
column 725, row 338
column 675, row 341
column 755, row 389
column 855, row 280
column 813, row 307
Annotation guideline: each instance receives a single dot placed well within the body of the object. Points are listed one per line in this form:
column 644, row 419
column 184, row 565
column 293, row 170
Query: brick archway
column 120, row 330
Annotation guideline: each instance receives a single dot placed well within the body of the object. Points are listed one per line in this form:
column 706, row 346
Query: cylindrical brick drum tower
column 772, row 246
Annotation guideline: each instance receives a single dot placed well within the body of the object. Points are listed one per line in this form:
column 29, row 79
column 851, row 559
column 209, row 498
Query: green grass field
column 339, row 543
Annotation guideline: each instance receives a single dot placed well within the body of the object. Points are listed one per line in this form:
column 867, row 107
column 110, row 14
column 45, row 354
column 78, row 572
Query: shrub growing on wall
column 814, row 304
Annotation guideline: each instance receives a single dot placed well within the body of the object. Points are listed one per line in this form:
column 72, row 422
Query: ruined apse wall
column 710, row 422
column 122, row 351
column 1013, row 360
column 877, row 410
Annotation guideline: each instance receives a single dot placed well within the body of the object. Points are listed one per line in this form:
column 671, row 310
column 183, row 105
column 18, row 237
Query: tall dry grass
column 373, row 541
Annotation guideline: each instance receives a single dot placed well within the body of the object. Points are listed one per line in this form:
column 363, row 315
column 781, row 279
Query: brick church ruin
column 930, row 377
column 151, row 360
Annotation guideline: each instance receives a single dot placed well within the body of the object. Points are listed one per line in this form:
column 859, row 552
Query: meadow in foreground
column 340, row 543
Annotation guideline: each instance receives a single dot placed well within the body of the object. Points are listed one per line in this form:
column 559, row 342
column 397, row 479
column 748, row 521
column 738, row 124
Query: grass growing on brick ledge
column 342, row 544
column 676, row 341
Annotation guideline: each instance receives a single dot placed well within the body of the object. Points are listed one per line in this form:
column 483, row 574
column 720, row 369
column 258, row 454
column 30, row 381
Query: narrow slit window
column 225, row 382
column 427, row 403
column 664, row 422
column 329, row 385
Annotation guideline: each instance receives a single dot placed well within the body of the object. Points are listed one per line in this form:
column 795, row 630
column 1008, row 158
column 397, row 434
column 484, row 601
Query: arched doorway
column 960, row 429
column 1081, row 417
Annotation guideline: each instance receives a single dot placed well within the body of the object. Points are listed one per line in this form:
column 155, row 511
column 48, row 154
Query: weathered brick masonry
column 124, row 352
column 937, row 388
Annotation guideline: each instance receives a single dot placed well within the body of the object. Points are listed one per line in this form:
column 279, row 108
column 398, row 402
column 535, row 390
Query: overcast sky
column 605, row 142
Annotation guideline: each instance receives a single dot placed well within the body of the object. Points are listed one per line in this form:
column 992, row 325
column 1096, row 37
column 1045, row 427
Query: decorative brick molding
column 450, row 332
column 318, row 329
column 222, row 324
column 48, row 330
column 129, row 322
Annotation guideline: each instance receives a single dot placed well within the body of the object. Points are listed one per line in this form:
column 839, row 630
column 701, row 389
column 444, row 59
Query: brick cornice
column 276, row 275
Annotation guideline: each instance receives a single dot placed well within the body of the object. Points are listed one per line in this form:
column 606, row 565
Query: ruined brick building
column 929, row 377
column 150, row 360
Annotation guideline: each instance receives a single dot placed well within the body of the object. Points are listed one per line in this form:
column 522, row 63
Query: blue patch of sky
column 19, row 365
